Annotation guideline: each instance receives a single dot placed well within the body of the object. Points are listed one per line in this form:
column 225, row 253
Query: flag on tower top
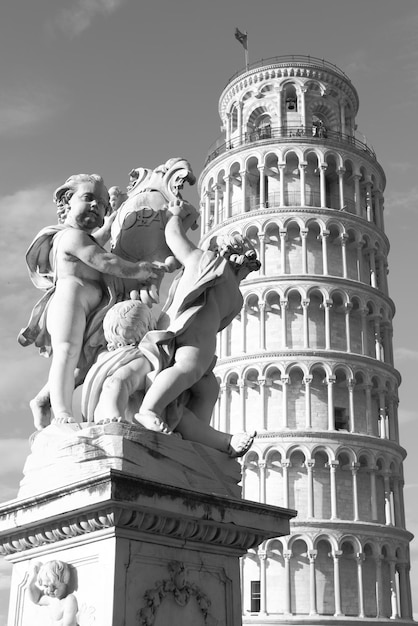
column 242, row 37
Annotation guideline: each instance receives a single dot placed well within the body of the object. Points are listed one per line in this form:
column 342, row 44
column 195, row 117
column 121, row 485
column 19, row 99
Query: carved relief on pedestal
column 181, row 591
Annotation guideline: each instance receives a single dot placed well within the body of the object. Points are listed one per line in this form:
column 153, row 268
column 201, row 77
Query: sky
column 108, row 85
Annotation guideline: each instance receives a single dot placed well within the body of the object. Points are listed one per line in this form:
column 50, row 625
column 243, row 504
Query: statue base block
column 147, row 543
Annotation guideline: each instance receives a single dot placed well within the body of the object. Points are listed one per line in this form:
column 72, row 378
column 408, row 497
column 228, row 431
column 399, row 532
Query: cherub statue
column 202, row 301
column 114, row 387
column 69, row 262
column 49, row 586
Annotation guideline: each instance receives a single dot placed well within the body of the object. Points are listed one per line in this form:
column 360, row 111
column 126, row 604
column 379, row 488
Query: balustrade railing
column 292, row 59
column 311, row 134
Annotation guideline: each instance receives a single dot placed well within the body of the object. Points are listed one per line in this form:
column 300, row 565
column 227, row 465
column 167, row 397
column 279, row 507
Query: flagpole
column 246, row 51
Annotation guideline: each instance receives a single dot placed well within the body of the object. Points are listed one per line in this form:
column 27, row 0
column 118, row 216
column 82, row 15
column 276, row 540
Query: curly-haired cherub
column 202, row 302
column 49, row 586
column 114, row 387
column 77, row 265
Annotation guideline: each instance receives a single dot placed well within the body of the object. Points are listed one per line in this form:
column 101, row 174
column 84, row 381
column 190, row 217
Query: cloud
column 401, row 200
column 26, row 109
column 76, row 20
column 405, row 354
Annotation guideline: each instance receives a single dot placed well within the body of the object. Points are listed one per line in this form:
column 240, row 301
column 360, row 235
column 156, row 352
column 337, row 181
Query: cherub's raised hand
column 185, row 211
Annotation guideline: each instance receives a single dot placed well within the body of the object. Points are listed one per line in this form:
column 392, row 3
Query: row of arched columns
column 299, row 248
column 307, row 399
column 327, row 577
column 303, row 319
column 324, row 486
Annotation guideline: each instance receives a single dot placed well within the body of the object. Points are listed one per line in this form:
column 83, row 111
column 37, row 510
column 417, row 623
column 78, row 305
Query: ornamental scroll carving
column 180, row 590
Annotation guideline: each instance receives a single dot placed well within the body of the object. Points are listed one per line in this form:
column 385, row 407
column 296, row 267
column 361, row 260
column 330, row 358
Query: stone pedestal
column 151, row 526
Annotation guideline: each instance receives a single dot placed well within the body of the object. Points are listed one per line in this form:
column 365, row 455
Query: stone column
column 327, row 305
column 312, row 554
column 379, row 588
column 216, row 211
column 322, row 169
column 354, row 470
column 359, row 246
column 347, row 308
column 283, row 238
column 388, row 509
column 360, row 558
column 364, row 338
column 310, row 464
column 357, row 196
column 403, row 586
column 227, row 197
column 305, row 307
column 283, row 305
column 239, row 111
column 324, row 237
column 340, row 173
column 285, row 381
column 308, row 417
column 262, row 187
column 265, row 383
column 394, row 595
column 243, row 175
column 351, row 383
column 302, row 169
column 223, row 401
column 287, row 609
column 285, row 467
column 262, row 309
column 369, row 415
column 262, row 240
column 303, row 90
column 243, row 398
column 330, row 387
column 343, row 240
column 337, row 585
column 373, row 494
column 369, row 206
column 243, row 328
column 262, row 555
column 304, row 235
column 262, row 493
column 333, row 485
column 373, row 281
column 282, row 167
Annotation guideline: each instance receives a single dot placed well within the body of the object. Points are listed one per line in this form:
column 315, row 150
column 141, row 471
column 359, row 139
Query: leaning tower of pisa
column 308, row 363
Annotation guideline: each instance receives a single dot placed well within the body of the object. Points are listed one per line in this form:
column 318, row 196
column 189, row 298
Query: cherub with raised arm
column 115, row 385
column 48, row 585
column 204, row 300
column 74, row 268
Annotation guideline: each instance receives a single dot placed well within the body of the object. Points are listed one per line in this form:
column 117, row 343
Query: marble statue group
column 101, row 269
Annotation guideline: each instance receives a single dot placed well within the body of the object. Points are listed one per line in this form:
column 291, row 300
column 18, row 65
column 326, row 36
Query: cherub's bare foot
column 240, row 444
column 63, row 418
column 110, row 420
column 41, row 411
column 152, row 421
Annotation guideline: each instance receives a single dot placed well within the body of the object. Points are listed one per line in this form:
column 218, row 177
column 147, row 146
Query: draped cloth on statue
column 159, row 346
column 40, row 260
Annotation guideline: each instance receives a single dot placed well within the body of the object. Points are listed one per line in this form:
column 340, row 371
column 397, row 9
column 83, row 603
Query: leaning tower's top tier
column 290, row 100
column 309, row 73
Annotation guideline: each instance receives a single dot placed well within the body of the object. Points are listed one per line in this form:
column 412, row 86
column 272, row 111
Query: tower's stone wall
column 308, row 363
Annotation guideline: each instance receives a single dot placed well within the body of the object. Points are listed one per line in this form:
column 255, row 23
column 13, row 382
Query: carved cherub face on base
column 53, row 579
